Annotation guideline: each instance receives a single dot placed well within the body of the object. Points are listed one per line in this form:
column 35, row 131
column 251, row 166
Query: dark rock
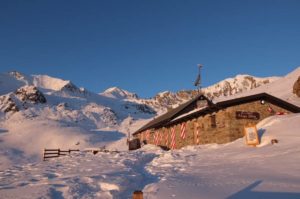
column 70, row 87
column 7, row 104
column 109, row 116
column 30, row 94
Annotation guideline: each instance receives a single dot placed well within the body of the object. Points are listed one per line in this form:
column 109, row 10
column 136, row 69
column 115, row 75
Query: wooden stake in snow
column 137, row 195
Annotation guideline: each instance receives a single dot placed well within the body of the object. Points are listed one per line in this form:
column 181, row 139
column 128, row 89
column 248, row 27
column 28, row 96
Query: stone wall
column 224, row 128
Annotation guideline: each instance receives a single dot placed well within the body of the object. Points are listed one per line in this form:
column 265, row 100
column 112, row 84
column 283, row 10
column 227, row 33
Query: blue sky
column 149, row 46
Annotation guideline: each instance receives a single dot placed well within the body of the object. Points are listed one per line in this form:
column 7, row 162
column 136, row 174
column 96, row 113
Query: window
column 213, row 121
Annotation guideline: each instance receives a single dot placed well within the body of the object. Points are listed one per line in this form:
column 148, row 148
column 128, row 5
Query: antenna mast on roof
column 198, row 79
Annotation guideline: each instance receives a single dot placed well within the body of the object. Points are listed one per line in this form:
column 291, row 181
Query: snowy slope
column 40, row 111
column 47, row 82
column 9, row 83
column 233, row 170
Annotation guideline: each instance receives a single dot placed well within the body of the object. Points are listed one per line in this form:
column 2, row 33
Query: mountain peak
column 17, row 75
column 115, row 92
column 47, row 82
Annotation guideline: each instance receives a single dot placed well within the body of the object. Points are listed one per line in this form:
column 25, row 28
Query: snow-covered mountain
column 51, row 112
column 39, row 111
column 227, row 87
column 69, row 103
column 282, row 88
column 118, row 93
column 62, row 100
column 63, row 96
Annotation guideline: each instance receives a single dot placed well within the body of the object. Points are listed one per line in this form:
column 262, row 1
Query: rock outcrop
column 30, row 94
column 7, row 104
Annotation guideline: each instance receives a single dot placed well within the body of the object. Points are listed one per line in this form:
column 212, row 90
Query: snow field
column 83, row 175
column 231, row 170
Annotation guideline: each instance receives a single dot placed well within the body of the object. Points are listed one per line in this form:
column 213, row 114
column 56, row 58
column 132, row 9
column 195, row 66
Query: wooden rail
column 55, row 153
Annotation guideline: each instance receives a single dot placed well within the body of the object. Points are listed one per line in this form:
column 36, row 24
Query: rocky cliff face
column 21, row 99
column 7, row 104
column 296, row 87
column 30, row 94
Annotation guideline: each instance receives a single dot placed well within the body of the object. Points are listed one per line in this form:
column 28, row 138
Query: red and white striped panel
column 147, row 135
column 197, row 136
column 161, row 137
column 156, row 137
column 167, row 137
column 183, row 130
column 173, row 138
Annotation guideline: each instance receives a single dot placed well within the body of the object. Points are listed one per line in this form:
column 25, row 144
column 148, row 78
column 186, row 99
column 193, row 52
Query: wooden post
column 137, row 195
column 44, row 154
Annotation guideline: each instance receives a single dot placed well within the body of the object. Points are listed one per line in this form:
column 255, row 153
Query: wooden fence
column 55, row 153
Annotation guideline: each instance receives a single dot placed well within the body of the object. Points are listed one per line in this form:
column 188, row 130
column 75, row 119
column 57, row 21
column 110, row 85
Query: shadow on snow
column 247, row 193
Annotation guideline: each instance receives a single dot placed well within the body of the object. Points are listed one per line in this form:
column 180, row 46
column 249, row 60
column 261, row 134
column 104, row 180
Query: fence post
column 137, row 195
column 44, row 154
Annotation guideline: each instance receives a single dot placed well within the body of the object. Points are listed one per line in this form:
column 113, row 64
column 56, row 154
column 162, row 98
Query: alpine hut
column 201, row 121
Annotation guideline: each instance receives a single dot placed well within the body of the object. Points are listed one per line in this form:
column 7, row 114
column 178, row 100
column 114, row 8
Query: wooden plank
column 51, row 156
column 46, row 157
column 51, row 149
column 50, row 153
column 74, row 150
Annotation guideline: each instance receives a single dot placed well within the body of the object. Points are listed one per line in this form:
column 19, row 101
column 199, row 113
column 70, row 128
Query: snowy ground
column 231, row 171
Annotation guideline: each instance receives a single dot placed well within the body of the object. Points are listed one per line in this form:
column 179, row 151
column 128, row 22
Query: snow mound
column 108, row 187
column 276, row 127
